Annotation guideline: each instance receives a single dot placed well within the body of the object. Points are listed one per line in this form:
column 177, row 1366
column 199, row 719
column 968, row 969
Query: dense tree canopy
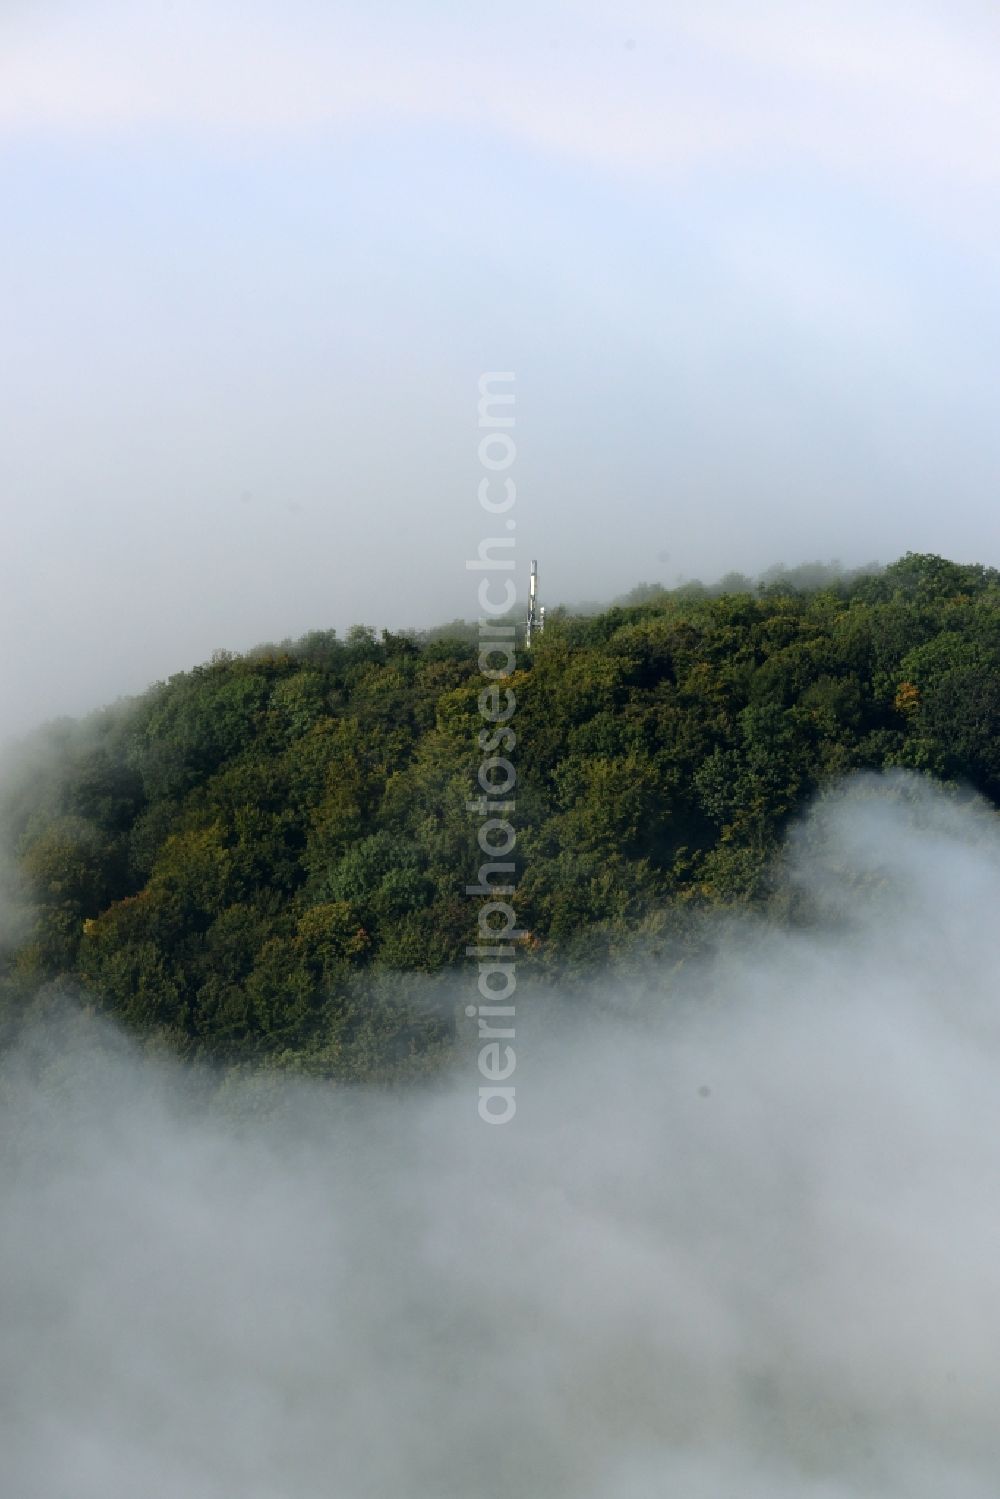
column 240, row 860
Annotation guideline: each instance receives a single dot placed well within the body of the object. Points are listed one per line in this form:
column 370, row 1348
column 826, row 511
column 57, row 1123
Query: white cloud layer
column 745, row 1244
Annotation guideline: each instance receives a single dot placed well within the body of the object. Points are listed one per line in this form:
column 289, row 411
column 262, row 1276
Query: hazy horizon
column 80, row 700
column 743, row 267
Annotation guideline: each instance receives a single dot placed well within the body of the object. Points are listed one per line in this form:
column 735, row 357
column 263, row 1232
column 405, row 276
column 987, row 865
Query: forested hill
column 240, row 859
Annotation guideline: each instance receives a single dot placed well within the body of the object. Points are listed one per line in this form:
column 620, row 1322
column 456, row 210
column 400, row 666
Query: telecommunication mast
column 536, row 614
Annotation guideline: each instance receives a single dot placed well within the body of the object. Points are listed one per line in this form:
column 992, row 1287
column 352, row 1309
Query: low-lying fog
column 742, row 1238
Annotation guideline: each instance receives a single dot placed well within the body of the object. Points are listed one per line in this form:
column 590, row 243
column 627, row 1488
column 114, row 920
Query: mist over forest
column 739, row 1237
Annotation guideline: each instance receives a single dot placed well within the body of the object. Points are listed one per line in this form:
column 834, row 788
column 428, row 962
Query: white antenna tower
column 535, row 616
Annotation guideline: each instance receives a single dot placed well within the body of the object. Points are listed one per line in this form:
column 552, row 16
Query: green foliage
column 256, row 860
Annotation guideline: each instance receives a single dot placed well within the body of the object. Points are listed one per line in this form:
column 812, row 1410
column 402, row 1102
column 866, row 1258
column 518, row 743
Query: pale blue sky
column 742, row 258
